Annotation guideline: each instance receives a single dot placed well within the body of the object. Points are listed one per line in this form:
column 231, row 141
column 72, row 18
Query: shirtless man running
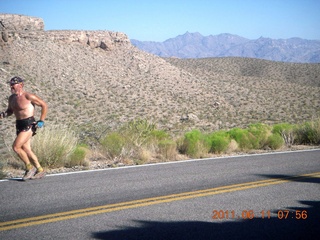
column 22, row 105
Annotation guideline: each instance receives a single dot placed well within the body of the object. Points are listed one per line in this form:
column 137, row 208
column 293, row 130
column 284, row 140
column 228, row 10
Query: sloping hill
column 96, row 80
column 92, row 85
column 259, row 90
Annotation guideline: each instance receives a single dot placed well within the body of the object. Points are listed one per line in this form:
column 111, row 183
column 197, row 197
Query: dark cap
column 16, row 80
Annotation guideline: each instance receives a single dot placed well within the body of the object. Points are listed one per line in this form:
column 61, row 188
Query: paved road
column 268, row 196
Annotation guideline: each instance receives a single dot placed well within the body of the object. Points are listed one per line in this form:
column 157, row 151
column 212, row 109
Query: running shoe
column 29, row 174
column 38, row 175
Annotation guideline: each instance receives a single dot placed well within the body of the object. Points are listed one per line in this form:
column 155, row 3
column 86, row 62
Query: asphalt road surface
column 267, row 196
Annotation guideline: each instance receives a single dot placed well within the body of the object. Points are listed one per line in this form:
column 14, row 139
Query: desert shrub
column 77, row 158
column 168, row 149
column 142, row 156
column 287, row 132
column 159, row 135
column 275, row 141
column 54, row 144
column 308, row 132
column 113, row 144
column 181, row 145
column 195, row 144
column 261, row 132
column 219, row 141
column 137, row 140
column 139, row 132
column 244, row 138
column 233, row 146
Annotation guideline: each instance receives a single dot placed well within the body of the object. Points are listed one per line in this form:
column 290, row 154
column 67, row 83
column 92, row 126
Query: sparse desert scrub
column 138, row 140
column 54, row 145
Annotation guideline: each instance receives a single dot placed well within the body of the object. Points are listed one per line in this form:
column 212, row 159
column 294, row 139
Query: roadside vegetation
column 139, row 142
column 189, row 97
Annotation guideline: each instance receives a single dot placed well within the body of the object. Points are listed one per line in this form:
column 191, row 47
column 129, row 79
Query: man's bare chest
column 18, row 103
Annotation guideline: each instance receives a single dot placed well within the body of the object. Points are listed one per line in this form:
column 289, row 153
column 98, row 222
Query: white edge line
column 172, row 162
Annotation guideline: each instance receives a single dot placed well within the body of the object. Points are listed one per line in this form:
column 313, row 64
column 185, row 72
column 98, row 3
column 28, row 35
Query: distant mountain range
column 194, row 45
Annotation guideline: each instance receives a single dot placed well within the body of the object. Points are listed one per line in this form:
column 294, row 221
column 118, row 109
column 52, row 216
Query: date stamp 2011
column 263, row 214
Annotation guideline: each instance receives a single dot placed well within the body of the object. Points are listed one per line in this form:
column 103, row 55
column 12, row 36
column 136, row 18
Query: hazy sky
column 158, row 20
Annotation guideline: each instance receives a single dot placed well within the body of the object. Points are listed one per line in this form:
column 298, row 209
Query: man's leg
column 32, row 157
column 22, row 138
column 40, row 173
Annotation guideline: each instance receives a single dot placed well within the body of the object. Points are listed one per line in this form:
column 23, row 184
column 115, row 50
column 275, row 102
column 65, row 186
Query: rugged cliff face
column 11, row 24
column 18, row 26
column 18, row 23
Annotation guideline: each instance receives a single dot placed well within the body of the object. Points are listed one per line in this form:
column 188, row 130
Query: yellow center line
column 55, row 217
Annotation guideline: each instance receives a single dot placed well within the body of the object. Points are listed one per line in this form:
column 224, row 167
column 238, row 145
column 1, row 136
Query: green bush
column 137, row 140
column 77, row 158
column 219, row 142
column 113, row 143
column 280, row 127
column 195, row 144
column 275, row 141
column 261, row 132
column 308, row 133
column 244, row 138
column 54, row 144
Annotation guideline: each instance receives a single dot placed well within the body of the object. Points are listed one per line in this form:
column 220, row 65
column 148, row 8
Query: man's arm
column 7, row 113
column 39, row 102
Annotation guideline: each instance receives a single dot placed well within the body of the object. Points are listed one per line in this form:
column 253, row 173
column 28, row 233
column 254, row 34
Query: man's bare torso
column 21, row 106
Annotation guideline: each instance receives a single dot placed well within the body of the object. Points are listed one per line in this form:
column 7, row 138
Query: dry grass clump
column 57, row 146
column 140, row 141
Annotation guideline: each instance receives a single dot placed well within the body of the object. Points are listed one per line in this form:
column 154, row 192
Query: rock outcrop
column 14, row 27
column 18, row 23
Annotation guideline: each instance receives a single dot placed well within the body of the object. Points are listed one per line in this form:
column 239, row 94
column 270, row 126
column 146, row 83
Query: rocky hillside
column 194, row 45
column 96, row 80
